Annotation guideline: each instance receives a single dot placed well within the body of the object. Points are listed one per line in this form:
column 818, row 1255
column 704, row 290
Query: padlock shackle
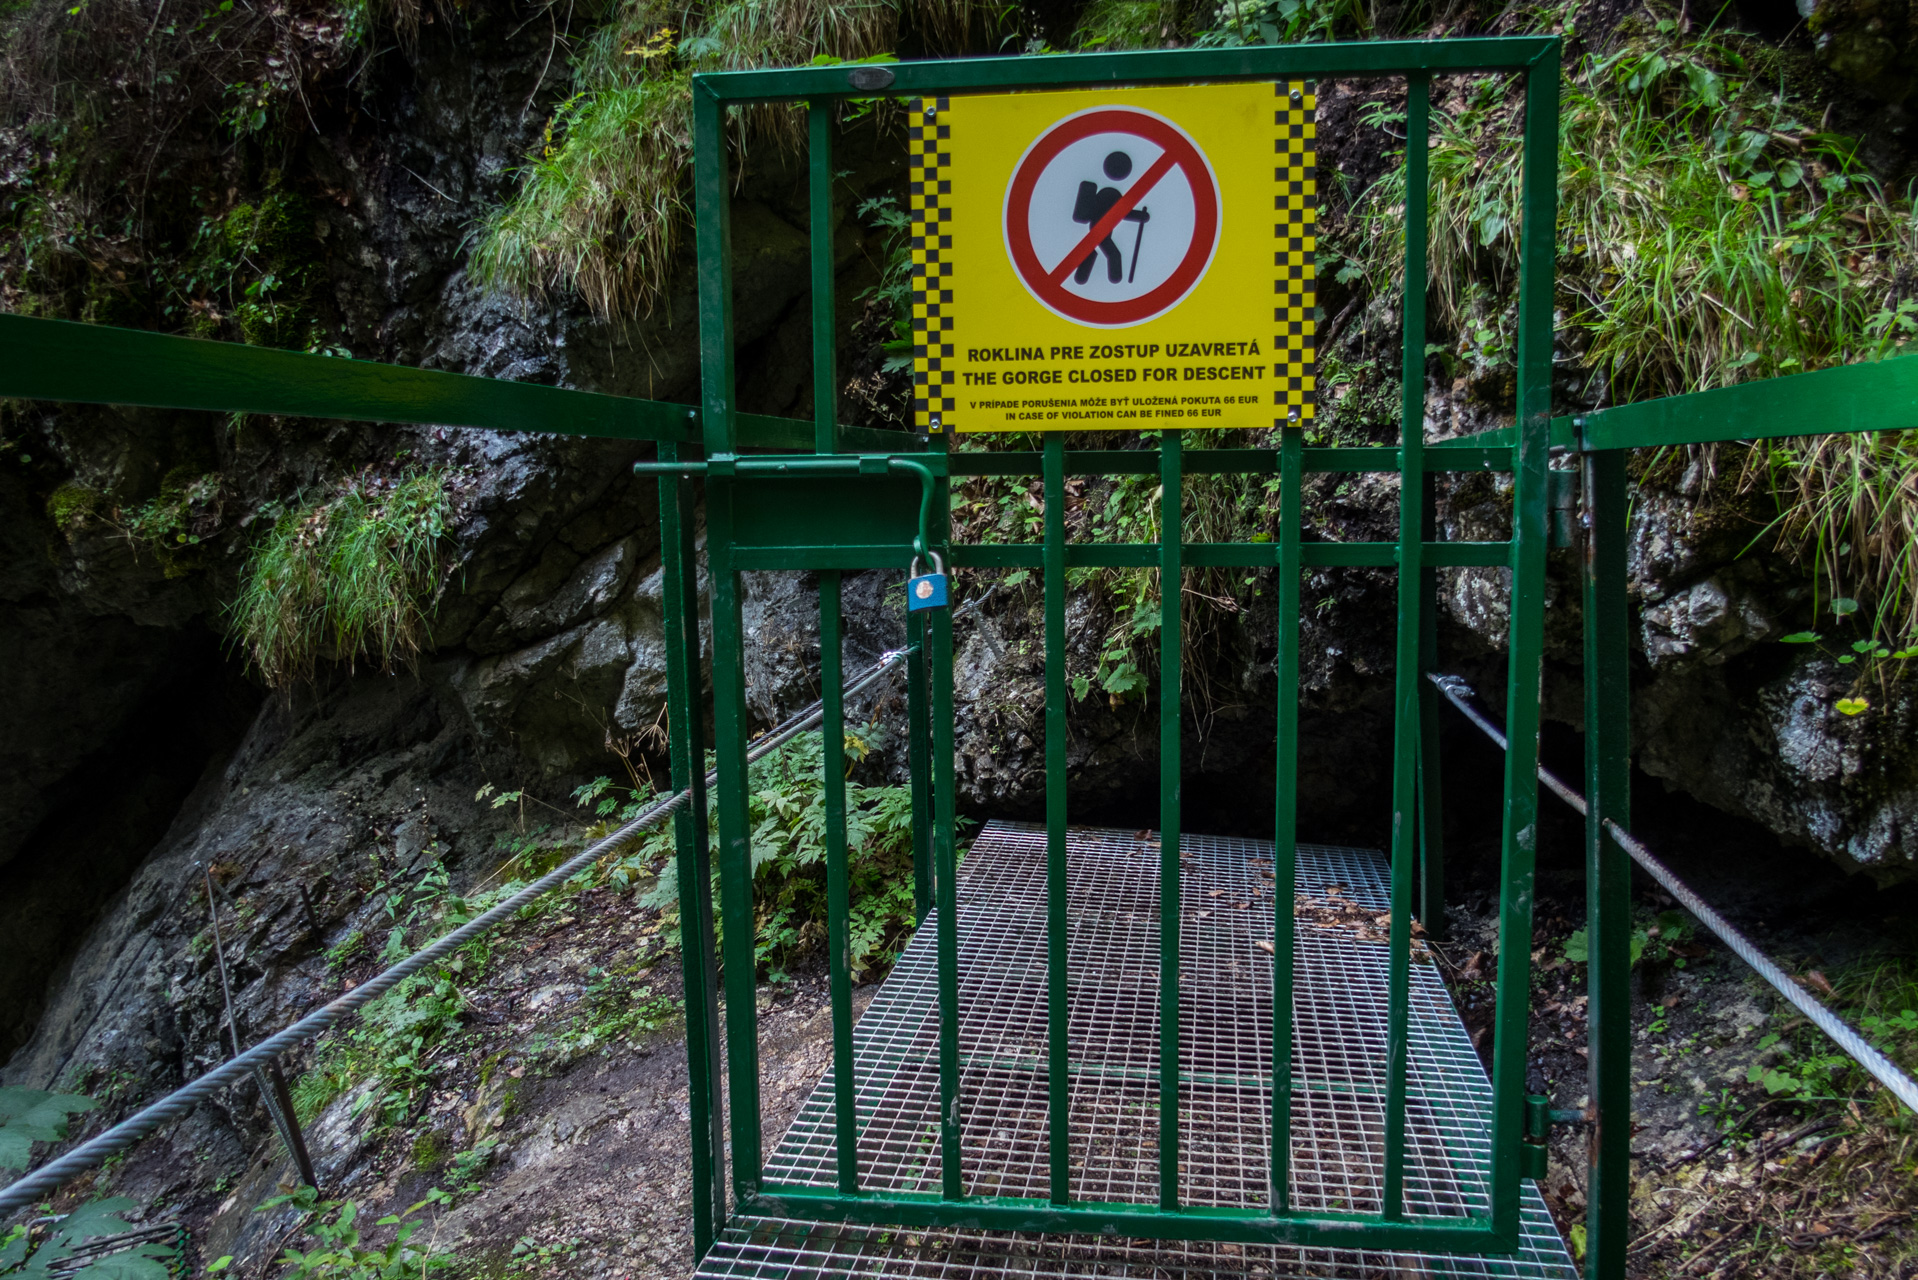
column 938, row 564
column 922, row 544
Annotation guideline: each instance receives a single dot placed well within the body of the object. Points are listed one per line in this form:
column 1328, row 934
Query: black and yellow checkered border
column 1296, row 253
column 928, row 170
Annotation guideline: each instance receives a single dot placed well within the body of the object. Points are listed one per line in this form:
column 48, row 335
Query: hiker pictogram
column 1083, row 185
column 1093, row 204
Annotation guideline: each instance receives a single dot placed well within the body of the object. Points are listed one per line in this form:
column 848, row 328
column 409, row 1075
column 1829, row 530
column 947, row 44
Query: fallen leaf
column 1853, row 706
column 1820, row 981
column 1264, row 946
column 1216, row 893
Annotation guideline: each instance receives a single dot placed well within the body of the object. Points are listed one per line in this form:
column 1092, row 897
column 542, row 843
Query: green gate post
column 946, row 872
column 825, row 323
column 1608, row 869
column 712, row 219
column 1406, row 702
column 1171, row 700
column 1431, row 774
column 1285, row 821
column 679, row 590
column 1538, row 253
column 919, row 764
column 1058, row 996
column 832, row 753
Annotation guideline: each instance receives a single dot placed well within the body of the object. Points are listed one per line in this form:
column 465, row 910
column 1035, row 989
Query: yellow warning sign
column 1110, row 259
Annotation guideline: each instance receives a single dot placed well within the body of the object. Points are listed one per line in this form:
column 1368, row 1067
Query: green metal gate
column 860, row 501
column 833, row 511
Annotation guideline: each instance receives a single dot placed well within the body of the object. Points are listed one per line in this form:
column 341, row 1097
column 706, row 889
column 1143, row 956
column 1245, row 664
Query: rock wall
column 139, row 755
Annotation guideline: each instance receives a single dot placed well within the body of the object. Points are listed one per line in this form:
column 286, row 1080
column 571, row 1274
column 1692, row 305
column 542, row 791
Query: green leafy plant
column 616, row 1009
column 464, row 1170
column 186, row 511
column 1665, row 938
column 352, row 577
column 1802, row 1077
column 1244, row 22
column 1881, row 996
column 893, row 293
column 78, row 1243
column 788, row 815
column 28, row 1116
column 528, row 1257
column 342, row 1254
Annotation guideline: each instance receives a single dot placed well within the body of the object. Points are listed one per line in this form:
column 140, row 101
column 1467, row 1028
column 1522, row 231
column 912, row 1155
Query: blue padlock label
column 927, row 591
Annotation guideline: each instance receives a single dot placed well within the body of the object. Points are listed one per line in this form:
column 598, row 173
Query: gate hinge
column 1540, row 1116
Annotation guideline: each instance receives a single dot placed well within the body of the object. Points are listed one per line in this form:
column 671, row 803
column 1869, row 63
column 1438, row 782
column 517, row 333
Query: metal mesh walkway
column 1226, row 1007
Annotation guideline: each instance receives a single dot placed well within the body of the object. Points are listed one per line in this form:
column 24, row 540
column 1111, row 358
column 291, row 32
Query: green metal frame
column 865, row 499
column 885, row 490
column 836, row 510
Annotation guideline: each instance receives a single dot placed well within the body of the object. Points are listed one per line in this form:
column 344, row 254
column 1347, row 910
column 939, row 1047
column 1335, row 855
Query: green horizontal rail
column 1097, row 1218
column 1091, row 70
column 1562, row 436
column 1122, row 555
column 1855, row 397
column 1228, row 462
column 99, row 364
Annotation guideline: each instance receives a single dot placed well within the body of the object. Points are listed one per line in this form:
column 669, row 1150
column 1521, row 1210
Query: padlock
column 926, row 590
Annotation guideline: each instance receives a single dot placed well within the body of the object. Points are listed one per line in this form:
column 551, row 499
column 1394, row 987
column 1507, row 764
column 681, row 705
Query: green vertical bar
column 945, row 849
column 939, row 626
column 1608, row 870
column 704, row 1074
column 1537, row 251
column 832, row 741
column 1405, row 695
column 735, row 840
column 1171, row 583
column 1285, row 820
column 919, row 764
column 712, row 221
column 825, row 324
column 1431, row 776
column 1059, row 1048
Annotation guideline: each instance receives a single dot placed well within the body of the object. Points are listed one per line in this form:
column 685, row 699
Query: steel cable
column 95, row 1151
column 1882, row 1069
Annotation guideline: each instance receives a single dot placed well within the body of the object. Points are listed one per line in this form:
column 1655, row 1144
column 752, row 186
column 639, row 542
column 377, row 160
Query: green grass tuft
column 602, row 205
column 601, row 209
column 1707, row 235
column 1113, row 25
column 350, row 578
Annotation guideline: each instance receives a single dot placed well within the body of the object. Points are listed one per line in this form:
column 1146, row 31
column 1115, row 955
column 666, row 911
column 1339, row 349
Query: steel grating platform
column 1225, row 1035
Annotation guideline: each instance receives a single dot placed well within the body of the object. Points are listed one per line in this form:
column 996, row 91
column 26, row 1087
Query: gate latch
column 926, row 590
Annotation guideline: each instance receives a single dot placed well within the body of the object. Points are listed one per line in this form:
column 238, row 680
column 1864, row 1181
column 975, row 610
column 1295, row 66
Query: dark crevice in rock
column 100, row 820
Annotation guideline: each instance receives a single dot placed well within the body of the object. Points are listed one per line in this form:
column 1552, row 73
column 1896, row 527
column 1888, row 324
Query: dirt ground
column 561, row 1160
column 568, row 1156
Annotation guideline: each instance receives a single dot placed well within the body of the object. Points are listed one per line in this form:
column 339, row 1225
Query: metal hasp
column 830, row 512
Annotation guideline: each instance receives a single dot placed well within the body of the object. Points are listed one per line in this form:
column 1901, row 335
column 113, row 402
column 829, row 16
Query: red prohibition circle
column 1183, row 155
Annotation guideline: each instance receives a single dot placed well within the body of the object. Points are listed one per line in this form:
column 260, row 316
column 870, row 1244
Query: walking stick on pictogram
column 1136, row 238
